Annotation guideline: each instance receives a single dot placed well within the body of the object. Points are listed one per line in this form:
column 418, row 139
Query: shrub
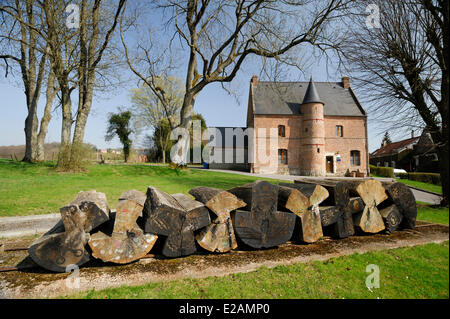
column 430, row 178
column 74, row 157
column 382, row 171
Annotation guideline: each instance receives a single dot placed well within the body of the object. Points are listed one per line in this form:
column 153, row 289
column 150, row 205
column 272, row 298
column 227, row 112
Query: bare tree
column 76, row 54
column 147, row 108
column 19, row 35
column 93, row 45
column 148, row 111
column 63, row 52
column 219, row 36
column 402, row 66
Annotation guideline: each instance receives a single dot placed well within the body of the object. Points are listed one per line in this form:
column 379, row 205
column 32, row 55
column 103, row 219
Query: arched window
column 282, row 156
column 281, row 131
column 355, row 158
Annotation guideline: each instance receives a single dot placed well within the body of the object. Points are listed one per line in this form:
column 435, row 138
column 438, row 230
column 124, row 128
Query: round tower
column 312, row 148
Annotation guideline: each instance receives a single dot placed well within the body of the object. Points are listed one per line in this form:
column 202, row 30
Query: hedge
column 382, row 171
column 430, row 178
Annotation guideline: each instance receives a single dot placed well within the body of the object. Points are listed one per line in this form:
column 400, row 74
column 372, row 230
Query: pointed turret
column 311, row 95
column 312, row 147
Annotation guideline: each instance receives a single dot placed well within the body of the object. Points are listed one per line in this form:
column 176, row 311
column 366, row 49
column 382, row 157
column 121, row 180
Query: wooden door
column 329, row 164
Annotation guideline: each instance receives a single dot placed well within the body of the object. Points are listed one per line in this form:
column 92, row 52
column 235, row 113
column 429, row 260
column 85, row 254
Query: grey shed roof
column 221, row 137
column 285, row 98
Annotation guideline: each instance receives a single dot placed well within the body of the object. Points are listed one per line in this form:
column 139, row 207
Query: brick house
column 415, row 154
column 321, row 128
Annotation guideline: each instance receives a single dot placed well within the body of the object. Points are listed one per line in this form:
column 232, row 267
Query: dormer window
column 281, row 131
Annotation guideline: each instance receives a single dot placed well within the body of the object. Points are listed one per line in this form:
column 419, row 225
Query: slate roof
column 285, row 98
column 221, row 137
column 394, row 147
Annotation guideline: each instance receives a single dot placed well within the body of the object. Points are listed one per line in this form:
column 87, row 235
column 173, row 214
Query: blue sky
column 215, row 104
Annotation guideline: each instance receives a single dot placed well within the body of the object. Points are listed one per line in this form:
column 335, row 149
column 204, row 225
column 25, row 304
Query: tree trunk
column 66, row 128
column 50, row 95
column 443, row 153
column 30, row 134
column 187, row 111
column 81, row 120
column 66, row 117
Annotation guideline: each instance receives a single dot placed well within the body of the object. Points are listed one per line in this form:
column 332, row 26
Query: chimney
column 254, row 80
column 412, row 133
column 346, row 82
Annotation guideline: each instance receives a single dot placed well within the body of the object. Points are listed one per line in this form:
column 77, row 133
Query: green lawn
column 425, row 186
column 429, row 213
column 27, row 189
column 416, row 272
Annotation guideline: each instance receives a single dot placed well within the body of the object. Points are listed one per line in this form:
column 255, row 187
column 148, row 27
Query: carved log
column 219, row 235
column 64, row 244
column 261, row 225
column 175, row 217
column 391, row 217
column 372, row 194
column 127, row 242
column 342, row 226
column 329, row 215
column 403, row 198
column 306, row 207
column 135, row 195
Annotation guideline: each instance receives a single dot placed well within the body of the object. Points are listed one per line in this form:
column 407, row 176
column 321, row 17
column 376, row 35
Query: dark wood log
column 391, row 217
column 135, row 195
column 306, row 207
column 127, row 242
column 94, row 206
column 329, row 215
column 64, row 244
column 219, row 235
column 403, row 198
column 175, row 217
column 197, row 215
column 261, row 225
